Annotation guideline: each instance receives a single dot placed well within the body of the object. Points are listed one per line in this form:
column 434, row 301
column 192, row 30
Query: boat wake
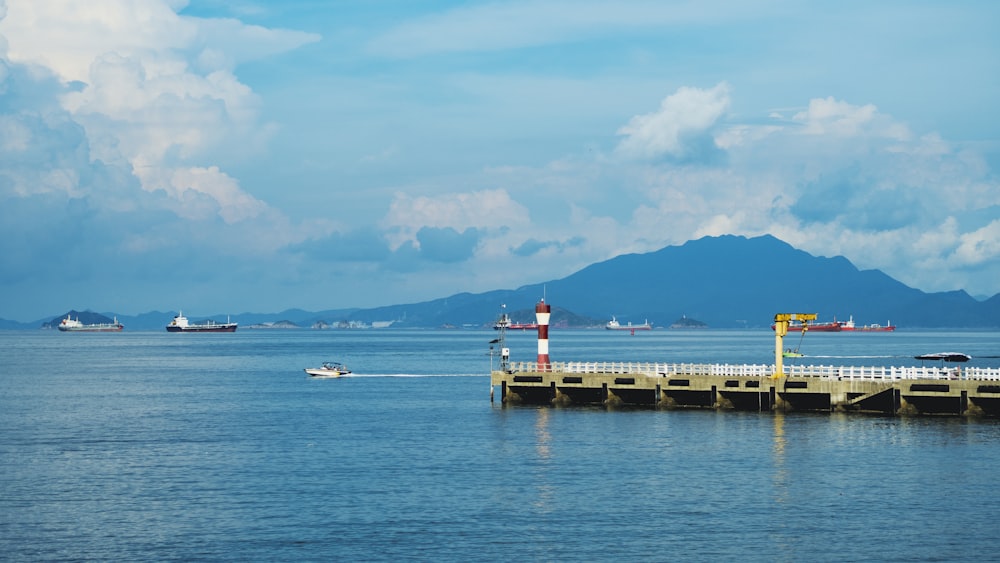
column 852, row 357
column 406, row 375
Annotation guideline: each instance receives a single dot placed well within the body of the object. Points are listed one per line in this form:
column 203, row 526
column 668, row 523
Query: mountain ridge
column 728, row 281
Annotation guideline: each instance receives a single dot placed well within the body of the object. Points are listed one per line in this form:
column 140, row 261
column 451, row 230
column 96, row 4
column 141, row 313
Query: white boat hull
column 74, row 325
column 321, row 372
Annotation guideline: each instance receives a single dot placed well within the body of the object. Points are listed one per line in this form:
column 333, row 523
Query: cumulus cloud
column 233, row 203
column 42, row 154
column 113, row 116
column 679, row 128
column 108, row 115
column 67, row 36
column 979, row 246
column 833, row 178
column 533, row 246
column 459, row 211
column 827, row 116
column 153, row 91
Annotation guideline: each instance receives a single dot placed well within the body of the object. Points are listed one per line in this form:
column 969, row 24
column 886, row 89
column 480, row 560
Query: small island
column 686, row 322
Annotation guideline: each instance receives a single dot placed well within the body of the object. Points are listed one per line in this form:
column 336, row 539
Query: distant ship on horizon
column 505, row 322
column 180, row 324
column 838, row 326
column 796, row 326
column 848, row 326
column 613, row 324
column 70, row 324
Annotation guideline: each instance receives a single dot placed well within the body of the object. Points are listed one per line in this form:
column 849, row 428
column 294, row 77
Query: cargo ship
column 517, row 326
column 74, row 325
column 505, row 322
column 834, row 326
column 613, row 324
column 839, row 326
column 181, row 324
column 849, row 326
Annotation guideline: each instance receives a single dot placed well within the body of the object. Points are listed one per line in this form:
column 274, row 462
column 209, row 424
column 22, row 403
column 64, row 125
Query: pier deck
column 948, row 390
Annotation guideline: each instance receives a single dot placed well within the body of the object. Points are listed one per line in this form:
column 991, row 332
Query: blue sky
column 239, row 155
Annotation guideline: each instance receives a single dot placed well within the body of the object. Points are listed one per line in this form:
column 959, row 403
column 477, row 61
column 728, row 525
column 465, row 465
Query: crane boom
column 781, row 321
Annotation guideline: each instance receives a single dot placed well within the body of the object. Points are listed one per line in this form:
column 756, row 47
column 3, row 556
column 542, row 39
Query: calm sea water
column 156, row 446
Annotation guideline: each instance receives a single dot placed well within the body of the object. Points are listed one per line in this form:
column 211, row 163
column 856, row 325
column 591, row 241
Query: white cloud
column 837, row 179
column 67, row 36
column 234, row 204
column 15, row 136
column 742, row 134
column 150, row 120
column 158, row 92
column 827, row 116
column 979, row 246
column 689, row 111
column 110, row 116
column 487, row 209
column 117, row 112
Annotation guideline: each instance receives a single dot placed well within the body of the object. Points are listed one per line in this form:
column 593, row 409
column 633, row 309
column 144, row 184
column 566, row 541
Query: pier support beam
column 703, row 390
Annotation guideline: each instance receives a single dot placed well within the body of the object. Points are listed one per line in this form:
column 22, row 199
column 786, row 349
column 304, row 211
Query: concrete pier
column 885, row 390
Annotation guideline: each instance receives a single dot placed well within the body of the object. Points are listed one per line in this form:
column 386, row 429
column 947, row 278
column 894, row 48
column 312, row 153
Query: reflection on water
column 543, row 447
column 780, row 478
column 783, row 524
column 542, row 435
column 227, row 451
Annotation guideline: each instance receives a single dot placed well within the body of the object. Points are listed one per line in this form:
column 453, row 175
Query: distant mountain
column 725, row 282
column 14, row 325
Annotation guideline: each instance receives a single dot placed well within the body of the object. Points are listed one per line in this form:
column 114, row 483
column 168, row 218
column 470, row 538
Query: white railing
column 866, row 373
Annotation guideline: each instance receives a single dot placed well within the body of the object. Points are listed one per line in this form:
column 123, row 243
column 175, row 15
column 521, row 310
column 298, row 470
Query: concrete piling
column 727, row 387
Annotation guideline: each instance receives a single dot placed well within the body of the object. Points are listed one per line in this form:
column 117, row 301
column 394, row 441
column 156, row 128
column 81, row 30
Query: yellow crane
column 781, row 321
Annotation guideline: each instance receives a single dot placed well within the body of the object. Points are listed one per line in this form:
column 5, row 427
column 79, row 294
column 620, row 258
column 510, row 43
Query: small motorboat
column 329, row 369
column 945, row 357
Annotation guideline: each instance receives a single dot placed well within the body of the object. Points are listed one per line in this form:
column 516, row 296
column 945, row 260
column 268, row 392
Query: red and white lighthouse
column 542, row 313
